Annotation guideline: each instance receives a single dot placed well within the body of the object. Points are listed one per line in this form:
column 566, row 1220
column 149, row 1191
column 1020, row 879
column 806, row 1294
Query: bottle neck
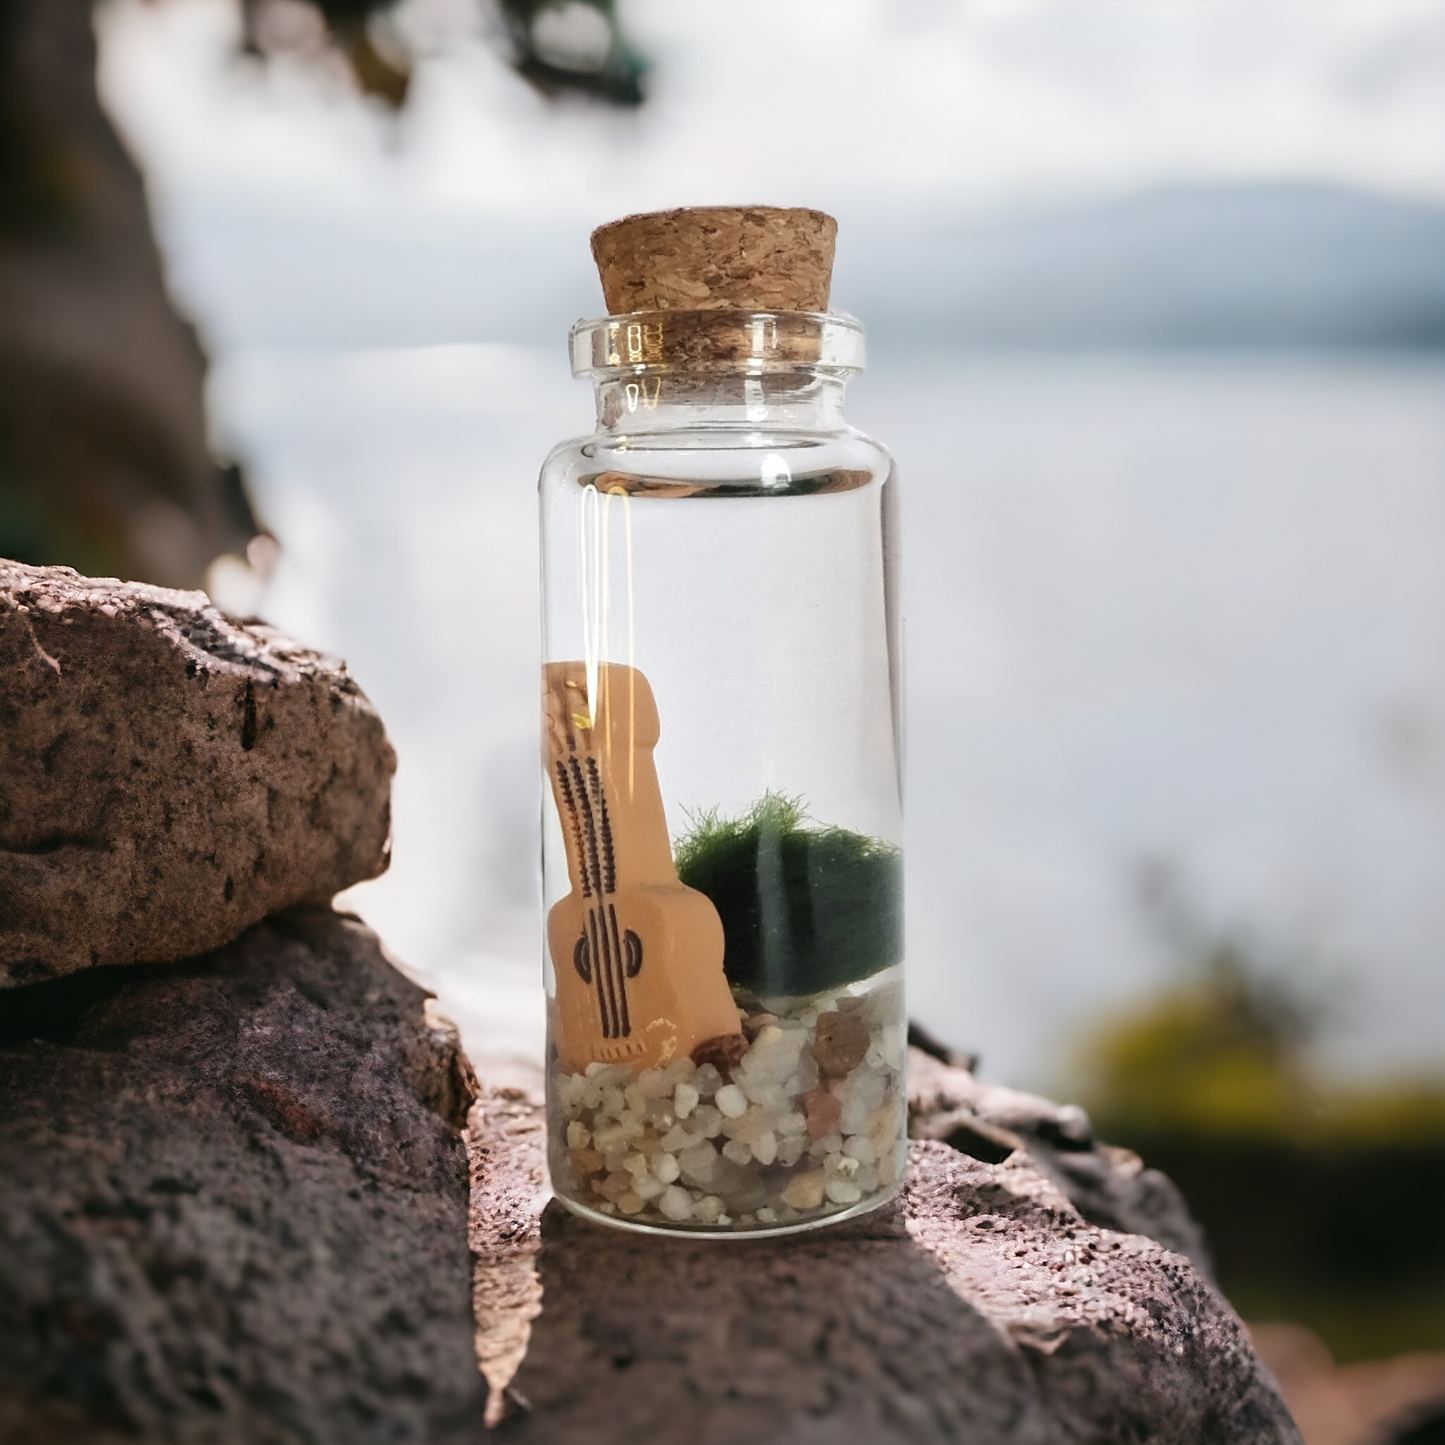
column 650, row 401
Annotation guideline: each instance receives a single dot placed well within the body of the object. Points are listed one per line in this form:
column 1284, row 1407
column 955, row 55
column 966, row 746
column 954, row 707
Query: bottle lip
column 717, row 341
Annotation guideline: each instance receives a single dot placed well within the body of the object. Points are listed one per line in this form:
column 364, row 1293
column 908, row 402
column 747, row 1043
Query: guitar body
column 637, row 955
column 624, row 999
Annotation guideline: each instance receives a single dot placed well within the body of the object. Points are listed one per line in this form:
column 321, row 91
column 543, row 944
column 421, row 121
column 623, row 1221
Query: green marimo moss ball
column 804, row 909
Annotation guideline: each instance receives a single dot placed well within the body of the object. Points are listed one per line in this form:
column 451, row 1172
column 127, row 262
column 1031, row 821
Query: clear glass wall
column 722, row 825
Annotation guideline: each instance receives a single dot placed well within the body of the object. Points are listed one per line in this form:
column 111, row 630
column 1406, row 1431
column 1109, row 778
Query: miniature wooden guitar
column 638, row 955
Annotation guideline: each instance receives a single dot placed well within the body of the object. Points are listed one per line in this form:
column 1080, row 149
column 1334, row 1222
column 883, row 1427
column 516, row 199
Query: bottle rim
column 748, row 343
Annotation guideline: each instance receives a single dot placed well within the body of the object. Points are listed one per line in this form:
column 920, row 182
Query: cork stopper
column 708, row 258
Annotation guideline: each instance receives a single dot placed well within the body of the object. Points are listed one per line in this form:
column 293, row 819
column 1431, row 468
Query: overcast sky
column 914, row 103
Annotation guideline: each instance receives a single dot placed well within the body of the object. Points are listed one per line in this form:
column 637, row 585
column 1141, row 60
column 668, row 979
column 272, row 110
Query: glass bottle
column 722, row 824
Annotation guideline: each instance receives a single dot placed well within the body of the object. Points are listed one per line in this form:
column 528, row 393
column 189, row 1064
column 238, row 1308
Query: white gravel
column 681, row 1147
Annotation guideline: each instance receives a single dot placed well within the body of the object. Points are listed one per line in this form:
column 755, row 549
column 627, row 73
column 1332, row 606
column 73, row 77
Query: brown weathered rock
column 168, row 777
column 981, row 1306
column 226, row 1213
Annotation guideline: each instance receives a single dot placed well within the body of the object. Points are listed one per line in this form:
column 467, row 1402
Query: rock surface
column 980, row 1306
column 229, row 1209
column 1109, row 1186
column 168, row 777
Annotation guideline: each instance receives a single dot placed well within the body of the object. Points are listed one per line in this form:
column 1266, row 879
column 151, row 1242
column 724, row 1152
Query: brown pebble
column 823, row 1111
column 754, row 1024
column 841, row 1044
column 724, row 1053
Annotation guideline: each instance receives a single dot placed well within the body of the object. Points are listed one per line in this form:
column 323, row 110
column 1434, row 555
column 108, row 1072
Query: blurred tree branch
column 103, row 455
column 104, row 462
column 559, row 46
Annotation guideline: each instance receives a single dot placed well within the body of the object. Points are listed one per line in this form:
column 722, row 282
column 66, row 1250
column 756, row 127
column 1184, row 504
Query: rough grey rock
column 226, row 1214
column 1109, row 1186
column 168, row 777
column 980, row 1306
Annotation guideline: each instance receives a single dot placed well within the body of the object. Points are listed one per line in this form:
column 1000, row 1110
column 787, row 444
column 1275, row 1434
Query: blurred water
column 1188, row 605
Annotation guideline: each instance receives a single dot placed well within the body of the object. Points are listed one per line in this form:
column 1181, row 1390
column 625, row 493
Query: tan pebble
column 749, row 1126
column 756, row 1023
column 883, row 1127
column 631, row 1202
column 823, row 1111
column 578, row 1136
column 805, row 1191
column 841, row 1044
column 586, row 1161
column 616, row 1185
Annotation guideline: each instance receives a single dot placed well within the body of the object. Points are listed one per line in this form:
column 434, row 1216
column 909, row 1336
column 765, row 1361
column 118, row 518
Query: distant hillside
column 1202, row 266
